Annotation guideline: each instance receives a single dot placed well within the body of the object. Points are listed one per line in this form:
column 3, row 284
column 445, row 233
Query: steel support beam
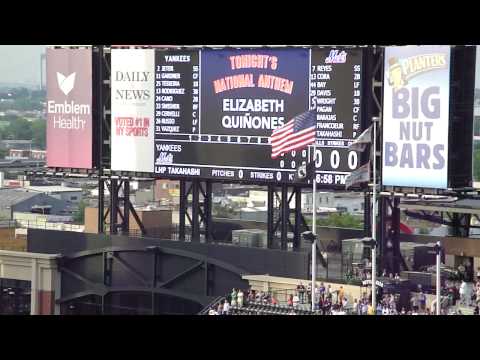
column 207, row 212
column 137, row 219
column 394, row 235
column 195, row 211
column 182, row 209
column 99, row 112
column 113, row 206
column 270, row 215
column 367, row 218
column 101, row 206
column 298, row 218
column 284, row 216
column 382, row 231
column 126, row 207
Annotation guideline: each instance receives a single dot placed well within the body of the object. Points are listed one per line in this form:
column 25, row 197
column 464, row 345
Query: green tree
column 342, row 221
column 476, row 162
column 79, row 215
column 19, row 129
column 39, row 130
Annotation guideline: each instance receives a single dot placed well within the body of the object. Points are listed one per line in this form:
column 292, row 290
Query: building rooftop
column 10, row 197
column 50, row 189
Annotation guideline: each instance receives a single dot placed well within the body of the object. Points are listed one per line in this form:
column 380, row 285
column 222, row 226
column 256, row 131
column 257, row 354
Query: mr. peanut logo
column 401, row 71
column 66, row 83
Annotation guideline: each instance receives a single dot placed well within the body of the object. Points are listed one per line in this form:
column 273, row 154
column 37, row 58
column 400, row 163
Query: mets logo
column 401, row 71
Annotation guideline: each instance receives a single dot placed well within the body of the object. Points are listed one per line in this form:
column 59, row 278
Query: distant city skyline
column 20, row 64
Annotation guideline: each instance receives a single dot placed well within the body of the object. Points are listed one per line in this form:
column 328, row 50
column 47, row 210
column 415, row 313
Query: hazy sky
column 20, row 63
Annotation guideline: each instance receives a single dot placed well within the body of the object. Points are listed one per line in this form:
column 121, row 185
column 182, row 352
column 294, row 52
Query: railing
column 214, row 304
column 28, row 224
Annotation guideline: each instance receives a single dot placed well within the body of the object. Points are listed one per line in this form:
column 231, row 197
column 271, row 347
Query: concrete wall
column 41, row 271
column 151, row 219
column 282, row 287
column 286, row 286
column 461, row 246
column 8, row 240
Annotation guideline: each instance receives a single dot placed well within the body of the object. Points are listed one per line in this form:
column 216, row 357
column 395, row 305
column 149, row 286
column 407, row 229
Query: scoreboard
column 215, row 111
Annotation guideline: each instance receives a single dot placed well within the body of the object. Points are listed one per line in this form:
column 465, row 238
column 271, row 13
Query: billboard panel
column 416, row 116
column 133, row 103
column 476, row 124
column 69, row 108
column 216, row 111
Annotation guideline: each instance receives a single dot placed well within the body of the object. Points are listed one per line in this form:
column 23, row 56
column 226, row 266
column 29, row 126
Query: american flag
column 298, row 133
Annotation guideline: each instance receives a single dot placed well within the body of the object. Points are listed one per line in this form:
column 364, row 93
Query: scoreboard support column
column 367, row 220
column 182, row 209
column 285, row 209
column 113, row 206
column 298, row 217
column 126, row 207
column 195, row 211
column 270, row 216
column 461, row 224
column 101, row 206
column 207, row 211
column 395, row 235
column 279, row 219
column 198, row 213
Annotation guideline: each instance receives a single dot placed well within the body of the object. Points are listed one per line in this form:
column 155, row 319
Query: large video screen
column 69, row 108
column 132, row 85
column 476, row 124
column 217, row 109
column 416, row 116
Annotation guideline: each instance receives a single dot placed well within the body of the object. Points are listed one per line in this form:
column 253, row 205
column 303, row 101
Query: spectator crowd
column 335, row 302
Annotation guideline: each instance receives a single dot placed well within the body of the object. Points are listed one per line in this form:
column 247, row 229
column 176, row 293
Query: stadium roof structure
column 460, row 206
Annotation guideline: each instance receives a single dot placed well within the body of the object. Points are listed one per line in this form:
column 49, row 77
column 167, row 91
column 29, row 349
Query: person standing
column 477, row 289
column 212, row 311
column 355, row 309
column 463, row 292
column 422, row 301
column 371, row 310
column 379, row 309
column 240, row 298
column 220, row 309
column 328, row 291
column 296, row 300
column 301, row 293
column 233, row 296
column 341, row 293
column 226, row 308
column 322, row 289
column 365, row 308
column 414, row 301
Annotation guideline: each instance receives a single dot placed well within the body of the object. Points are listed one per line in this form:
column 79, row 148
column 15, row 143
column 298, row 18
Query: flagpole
column 314, row 230
column 374, row 218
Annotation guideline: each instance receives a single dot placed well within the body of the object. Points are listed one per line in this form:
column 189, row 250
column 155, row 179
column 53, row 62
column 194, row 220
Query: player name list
column 335, row 90
column 177, row 93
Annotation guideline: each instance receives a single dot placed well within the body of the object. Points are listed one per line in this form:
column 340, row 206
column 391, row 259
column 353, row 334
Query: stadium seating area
column 259, row 308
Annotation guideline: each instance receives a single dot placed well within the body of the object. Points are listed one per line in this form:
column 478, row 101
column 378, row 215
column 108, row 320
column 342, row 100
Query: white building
column 351, row 203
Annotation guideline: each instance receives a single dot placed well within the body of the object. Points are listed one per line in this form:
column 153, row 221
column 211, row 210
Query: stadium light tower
column 375, row 121
column 438, row 250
